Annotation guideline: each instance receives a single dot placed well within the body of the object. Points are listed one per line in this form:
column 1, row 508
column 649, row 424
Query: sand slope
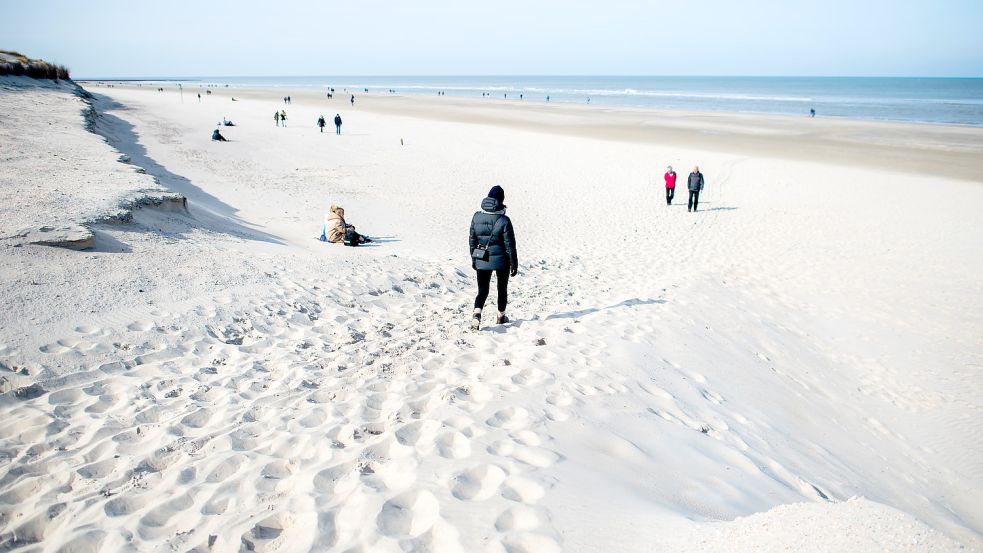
column 720, row 381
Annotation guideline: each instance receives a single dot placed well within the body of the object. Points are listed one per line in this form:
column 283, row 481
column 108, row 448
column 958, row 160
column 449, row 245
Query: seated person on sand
column 335, row 227
column 227, row 122
column 218, row 136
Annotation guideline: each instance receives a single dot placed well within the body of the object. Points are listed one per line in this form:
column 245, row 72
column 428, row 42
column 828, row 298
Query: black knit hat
column 497, row 192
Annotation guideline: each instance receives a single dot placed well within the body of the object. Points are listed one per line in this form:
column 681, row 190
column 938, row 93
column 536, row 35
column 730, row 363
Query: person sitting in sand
column 218, row 136
column 336, row 228
column 227, row 122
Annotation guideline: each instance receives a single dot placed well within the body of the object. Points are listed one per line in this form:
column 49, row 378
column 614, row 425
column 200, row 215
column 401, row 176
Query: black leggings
column 670, row 194
column 484, row 281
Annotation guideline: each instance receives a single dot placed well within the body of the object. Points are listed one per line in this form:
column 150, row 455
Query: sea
column 910, row 99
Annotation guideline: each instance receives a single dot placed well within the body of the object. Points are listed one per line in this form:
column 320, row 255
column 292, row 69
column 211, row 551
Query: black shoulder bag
column 480, row 251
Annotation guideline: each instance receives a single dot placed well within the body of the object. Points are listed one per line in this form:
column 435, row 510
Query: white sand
column 719, row 381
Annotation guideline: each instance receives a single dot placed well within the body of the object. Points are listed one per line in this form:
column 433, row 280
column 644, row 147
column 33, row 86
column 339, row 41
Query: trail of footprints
column 360, row 418
column 298, row 424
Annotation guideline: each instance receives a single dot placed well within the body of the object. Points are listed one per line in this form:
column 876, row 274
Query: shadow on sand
column 581, row 312
column 633, row 302
column 211, row 212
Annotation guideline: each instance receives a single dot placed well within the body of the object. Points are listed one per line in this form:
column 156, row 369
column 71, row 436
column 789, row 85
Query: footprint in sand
column 339, row 479
column 520, row 518
column 531, row 543
column 453, row 445
column 522, row 490
column 477, row 483
column 225, row 469
column 89, row 329
column 54, row 349
column 527, row 437
column 538, row 457
column 510, row 418
column 418, row 433
column 140, row 326
column 409, row 514
column 274, row 532
column 530, row 377
column 198, row 419
column 126, row 504
column 712, row 396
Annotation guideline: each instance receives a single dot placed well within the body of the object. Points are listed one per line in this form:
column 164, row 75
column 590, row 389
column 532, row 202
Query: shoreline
column 377, row 89
column 927, row 148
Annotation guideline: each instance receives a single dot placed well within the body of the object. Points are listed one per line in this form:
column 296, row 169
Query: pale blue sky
column 110, row 38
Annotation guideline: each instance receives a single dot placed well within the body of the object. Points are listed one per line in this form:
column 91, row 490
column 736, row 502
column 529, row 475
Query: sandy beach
column 796, row 366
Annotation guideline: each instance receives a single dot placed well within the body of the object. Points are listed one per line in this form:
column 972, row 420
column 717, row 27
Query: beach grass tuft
column 17, row 64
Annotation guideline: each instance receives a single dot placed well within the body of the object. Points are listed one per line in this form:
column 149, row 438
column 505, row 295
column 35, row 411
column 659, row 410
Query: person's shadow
column 633, row 302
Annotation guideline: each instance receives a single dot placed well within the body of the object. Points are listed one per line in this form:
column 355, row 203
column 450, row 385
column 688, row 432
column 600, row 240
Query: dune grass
column 15, row 63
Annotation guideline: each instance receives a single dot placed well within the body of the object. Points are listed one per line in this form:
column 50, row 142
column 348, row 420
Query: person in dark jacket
column 695, row 185
column 218, row 136
column 321, row 123
column 337, row 123
column 492, row 244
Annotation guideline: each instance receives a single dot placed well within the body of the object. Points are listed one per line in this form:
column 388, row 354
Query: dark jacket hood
column 491, row 205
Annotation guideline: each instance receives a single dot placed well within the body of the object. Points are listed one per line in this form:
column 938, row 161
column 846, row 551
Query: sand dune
column 795, row 367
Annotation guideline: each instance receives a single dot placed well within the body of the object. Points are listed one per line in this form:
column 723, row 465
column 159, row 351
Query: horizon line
column 524, row 75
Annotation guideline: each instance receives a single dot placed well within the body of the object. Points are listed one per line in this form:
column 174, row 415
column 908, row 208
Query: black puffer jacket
column 501, row 247
column 695, row 182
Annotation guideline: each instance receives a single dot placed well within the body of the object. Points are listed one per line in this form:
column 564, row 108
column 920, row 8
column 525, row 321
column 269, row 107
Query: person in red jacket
column 670, row 185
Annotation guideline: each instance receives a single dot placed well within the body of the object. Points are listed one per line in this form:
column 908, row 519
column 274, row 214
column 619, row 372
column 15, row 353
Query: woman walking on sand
column 492, row 243
column 670, row 177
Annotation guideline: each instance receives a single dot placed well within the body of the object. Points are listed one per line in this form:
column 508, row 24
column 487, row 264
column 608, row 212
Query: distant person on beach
column 283, row 117
column 218, row 136
column 547, row 98
column 695, row 185
column 321, row 123
column 353, row 99
column 337, row 230
column 199, row 97
column 812, row 112
column 337, row 123
column 227, row 122
column 670, row 177
column 276, row 117
column 492, row 243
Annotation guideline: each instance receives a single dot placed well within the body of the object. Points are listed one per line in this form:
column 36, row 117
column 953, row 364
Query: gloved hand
column 513, row 271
